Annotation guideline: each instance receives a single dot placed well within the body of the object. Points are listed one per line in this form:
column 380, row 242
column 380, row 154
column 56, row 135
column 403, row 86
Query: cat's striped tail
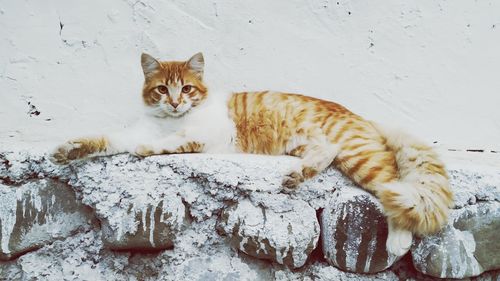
column 420, row 200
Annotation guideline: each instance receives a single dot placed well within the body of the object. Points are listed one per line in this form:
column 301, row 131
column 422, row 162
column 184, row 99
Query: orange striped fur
column 267, row 122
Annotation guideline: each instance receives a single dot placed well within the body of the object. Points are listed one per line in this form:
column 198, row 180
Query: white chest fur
column 209, row 123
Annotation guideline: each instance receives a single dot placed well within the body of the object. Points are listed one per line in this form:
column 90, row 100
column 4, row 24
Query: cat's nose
column 175, row 104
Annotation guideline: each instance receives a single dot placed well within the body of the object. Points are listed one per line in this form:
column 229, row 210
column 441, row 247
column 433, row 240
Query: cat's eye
column 162, row 89
column 186, row 89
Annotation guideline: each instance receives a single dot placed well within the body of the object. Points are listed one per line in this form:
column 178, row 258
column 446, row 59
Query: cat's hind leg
column 315, row 157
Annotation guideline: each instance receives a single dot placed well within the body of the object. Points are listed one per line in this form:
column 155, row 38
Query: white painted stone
column 285, row 231
column 203, row 186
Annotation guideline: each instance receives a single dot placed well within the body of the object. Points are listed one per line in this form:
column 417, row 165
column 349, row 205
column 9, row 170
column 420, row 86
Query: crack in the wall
column 474, row 150
column 33, row 111
column 61, row 26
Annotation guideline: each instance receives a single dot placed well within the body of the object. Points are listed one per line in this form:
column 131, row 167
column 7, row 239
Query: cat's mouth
column 175, row 112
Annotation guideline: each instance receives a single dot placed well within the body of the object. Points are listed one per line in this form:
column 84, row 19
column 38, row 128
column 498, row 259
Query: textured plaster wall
column 69, row 67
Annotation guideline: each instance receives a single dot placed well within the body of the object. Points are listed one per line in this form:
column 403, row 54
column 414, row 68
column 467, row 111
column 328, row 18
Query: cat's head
column 172, row 88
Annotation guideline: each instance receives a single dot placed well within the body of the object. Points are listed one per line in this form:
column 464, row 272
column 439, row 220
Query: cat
column 182, row 117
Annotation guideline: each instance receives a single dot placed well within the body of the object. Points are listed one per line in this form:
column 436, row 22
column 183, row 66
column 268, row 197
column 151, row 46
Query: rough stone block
column 285, row 231
column 37, row 213
column 354, row 232
column 467, row 247
column 144, row 226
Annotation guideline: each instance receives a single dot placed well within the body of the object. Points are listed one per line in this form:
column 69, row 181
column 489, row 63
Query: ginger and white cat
column 405, row 174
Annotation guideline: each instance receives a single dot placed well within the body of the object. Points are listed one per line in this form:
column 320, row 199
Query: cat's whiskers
column 156, row 110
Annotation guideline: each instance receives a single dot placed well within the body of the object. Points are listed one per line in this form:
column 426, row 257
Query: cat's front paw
column 292, row 181
column 65, row 153
column 144, row 150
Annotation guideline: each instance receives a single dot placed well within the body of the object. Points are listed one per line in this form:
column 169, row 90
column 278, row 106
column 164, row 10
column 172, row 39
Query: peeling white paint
column 7, row 215
column 143, row 220
column 56, row 227
column 152, row 225
column 34, row 205
column 352, row 242
column 10, row 198
column 369, row 255
column 123, row 221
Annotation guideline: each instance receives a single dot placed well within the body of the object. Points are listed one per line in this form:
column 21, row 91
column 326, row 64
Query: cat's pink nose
column 175, row 104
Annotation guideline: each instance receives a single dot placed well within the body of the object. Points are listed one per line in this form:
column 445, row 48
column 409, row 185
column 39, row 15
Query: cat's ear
column 196, row 63
column 149, row 64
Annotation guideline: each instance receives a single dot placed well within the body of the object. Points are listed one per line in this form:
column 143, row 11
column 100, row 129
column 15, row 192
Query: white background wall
column 432, row 67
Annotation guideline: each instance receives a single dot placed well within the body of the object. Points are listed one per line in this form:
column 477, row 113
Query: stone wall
column 224, row 217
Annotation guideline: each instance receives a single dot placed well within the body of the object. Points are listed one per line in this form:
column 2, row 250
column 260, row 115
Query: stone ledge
column 179, row 200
